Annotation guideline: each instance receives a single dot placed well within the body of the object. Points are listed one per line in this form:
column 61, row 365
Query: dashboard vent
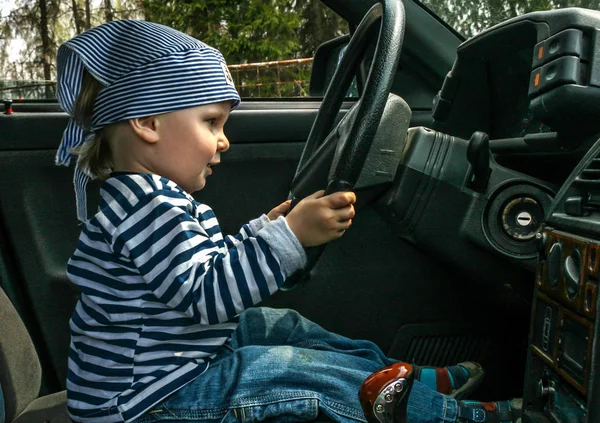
column 590, row 175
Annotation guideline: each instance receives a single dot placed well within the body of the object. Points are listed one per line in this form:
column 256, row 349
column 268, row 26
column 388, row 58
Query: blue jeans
column 283, row 367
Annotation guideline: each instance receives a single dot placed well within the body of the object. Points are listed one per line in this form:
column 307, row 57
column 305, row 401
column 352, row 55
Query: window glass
column 268, row 44
column 469, row 17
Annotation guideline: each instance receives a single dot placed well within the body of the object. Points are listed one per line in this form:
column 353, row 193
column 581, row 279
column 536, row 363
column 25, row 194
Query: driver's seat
column 21, row 374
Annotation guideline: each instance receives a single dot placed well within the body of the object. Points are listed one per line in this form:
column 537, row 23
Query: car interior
column 477, row 235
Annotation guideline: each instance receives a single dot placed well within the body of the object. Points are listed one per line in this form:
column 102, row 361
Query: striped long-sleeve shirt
column 160, row 290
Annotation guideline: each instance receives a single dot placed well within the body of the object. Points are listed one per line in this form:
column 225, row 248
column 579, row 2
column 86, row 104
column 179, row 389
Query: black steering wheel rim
column 352, row 153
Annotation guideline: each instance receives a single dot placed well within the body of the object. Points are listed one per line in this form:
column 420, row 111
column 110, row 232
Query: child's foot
column 490, row 412
column 384, row 394
column 456, row 381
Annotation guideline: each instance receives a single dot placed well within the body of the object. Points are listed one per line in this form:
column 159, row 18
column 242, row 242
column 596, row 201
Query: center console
column 562, row 384
column 559, row 380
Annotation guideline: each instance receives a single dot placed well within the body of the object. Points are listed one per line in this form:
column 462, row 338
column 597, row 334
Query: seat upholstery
column 47, row 409
column 21, row 374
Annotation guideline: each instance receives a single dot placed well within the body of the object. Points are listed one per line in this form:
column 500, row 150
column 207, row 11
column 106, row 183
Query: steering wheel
column 352, row 138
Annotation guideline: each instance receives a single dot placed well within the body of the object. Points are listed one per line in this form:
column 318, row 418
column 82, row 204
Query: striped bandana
column 146, row 69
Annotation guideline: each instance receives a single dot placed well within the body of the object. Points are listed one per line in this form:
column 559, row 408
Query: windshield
column 470, row 17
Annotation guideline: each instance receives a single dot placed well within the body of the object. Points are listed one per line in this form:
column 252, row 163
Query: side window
column 268, row 44
column 327, row 60
column 353, row 89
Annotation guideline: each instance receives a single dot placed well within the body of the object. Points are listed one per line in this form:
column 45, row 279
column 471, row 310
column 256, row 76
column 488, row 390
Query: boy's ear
column 146, row 128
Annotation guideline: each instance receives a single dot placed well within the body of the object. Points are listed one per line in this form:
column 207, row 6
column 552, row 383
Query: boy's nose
column 223, row 143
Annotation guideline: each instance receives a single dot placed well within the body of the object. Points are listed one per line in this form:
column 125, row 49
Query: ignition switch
column 522, row 218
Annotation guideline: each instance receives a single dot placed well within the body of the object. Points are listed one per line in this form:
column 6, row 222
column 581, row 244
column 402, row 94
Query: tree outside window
column 268, row 43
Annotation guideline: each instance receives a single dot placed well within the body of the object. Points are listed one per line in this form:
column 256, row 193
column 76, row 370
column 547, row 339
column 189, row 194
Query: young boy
column 164, row 328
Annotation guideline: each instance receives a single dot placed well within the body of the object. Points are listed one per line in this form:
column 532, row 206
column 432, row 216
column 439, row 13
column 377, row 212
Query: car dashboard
column 533, row 74
column 532, row 84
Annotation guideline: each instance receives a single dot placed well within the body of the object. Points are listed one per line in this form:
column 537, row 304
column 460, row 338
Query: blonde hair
column 94, row 155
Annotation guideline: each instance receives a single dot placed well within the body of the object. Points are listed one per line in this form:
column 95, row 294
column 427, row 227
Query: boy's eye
column 211, row 122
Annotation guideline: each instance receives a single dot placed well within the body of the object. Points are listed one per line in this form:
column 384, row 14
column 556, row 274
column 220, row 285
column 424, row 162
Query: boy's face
column 189, row 144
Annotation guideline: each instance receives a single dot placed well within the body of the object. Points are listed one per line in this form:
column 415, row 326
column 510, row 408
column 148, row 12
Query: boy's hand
column 318, row 219
column 280, row 210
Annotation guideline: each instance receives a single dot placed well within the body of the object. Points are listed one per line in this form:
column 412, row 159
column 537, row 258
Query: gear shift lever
column 384, row 394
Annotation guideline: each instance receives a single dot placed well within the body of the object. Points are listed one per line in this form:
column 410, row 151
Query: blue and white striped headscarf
column 146, row 69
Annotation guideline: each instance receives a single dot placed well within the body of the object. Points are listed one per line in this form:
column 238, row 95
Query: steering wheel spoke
column 318, row 169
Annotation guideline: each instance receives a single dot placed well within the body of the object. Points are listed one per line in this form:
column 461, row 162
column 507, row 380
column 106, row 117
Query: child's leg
column 270, row 327
column 283, row 367
column 267, row 326
column 287, row 384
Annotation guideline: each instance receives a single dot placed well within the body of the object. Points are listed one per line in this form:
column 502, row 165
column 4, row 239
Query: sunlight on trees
column 244, row 31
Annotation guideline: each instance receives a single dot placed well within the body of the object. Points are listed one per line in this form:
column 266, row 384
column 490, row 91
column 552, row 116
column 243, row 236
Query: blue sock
column 443, row 379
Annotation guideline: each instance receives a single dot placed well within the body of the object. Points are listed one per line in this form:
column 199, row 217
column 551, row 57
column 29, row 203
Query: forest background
column 248, row 33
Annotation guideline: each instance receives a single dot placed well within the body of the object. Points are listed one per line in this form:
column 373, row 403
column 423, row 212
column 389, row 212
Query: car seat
column 21, row 374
